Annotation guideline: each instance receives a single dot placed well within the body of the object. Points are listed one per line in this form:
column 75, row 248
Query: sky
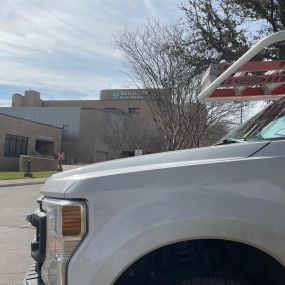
column 63, row 48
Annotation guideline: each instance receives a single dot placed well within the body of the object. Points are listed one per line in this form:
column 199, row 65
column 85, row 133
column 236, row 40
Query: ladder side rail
column 255, row 66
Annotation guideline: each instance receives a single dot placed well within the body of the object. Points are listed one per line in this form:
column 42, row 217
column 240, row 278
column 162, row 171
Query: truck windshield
column 269, row 124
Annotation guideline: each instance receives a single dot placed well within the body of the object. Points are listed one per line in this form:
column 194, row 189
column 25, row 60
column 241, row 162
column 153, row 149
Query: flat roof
column 14, row 117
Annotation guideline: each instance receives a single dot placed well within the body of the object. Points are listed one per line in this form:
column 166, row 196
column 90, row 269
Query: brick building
column 81, row 120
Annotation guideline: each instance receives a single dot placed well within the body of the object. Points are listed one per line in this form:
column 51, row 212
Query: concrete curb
column 14, row 184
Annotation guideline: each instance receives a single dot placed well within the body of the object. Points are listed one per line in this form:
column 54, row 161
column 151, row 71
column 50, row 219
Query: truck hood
column 58, row 184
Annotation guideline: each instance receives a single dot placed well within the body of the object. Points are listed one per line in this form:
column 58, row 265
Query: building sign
column 127, row 95
column 116, row 95
column 138, row 152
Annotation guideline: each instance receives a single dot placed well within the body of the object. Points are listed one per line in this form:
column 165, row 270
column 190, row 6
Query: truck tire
column 203, row 278
column 212, row 281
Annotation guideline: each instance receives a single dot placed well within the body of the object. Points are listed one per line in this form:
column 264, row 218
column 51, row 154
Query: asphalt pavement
column 15, row 233
column 18, row 197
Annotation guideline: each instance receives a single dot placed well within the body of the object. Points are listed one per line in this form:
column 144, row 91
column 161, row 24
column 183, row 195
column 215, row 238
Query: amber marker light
column 66, row 228
column 71, row 220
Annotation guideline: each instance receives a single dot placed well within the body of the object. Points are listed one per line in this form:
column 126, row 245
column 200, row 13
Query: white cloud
column 5, row 102
column 66, row 44
column 20, row 75
column 150, row 7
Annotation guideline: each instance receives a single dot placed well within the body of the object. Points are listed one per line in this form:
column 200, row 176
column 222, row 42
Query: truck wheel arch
column 256, row 264
column 229, row 232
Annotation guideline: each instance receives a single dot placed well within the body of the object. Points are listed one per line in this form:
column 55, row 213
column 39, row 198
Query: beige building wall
column 34, row 131
column 88, row 147
column 128, row 99
column 31, row 98
column 123, row 105
column 38, row 163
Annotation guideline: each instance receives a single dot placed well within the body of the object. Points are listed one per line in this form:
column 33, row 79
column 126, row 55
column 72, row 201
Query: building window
column 15, row 145
column 65, row 129
column 134, row 111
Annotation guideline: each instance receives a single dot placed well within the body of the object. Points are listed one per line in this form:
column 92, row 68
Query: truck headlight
column 66, row 227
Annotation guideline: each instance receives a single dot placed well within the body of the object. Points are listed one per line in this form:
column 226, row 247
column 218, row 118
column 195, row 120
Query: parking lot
column 15, row 233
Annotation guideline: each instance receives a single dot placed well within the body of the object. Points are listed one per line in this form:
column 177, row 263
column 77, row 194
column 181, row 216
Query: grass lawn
column 6, row 175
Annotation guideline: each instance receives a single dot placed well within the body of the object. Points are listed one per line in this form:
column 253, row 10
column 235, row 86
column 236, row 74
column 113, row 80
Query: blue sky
column 63, row 48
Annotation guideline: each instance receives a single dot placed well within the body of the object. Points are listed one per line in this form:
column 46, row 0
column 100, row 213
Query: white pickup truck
column 208, row 216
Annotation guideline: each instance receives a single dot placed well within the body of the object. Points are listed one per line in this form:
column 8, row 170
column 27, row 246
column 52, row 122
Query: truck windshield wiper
column 230, row 140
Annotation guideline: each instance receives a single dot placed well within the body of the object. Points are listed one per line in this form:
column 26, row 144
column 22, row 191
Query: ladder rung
column 254, row 80
column 255, row 66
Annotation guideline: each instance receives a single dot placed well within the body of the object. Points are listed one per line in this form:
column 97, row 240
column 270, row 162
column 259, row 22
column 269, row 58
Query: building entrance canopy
column 46, row 139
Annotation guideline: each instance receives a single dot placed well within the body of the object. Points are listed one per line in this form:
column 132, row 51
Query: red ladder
column 256, row 80
column 246, row 80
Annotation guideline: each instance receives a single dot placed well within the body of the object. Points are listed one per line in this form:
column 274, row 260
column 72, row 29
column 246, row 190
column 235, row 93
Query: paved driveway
column 15, row 232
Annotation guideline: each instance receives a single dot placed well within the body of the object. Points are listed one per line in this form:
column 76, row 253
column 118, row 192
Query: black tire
column 205, row 277
column 211, row 281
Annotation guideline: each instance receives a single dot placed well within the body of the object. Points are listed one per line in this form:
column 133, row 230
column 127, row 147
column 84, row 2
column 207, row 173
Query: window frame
column 15, row 145
column 133, row 111
column 65, row 129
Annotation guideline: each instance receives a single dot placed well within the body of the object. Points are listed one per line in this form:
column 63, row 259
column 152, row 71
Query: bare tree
column 141, row 133
column 112, row 133
column 124, row 133
column 155, row 59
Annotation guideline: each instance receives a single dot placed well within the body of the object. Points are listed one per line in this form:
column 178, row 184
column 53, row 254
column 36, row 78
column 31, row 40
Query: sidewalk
column 32, row 181
column 22, row 182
